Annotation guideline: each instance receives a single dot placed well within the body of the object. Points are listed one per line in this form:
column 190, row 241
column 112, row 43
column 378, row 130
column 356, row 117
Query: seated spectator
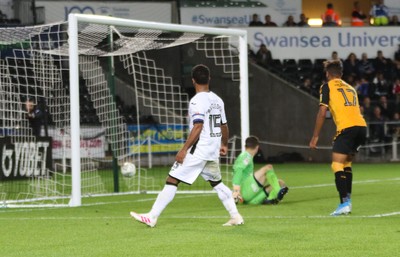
column 303, row 21
column 365, row 67
column 383, row 65
column 290, row 22
column 328, row 22
column 387, row 109
column 363, row 89
column 264, row 56
column 394, row 21
column 396, row 90
column 379, row 14
column 394, row 129
column 3, row 17
column 307, row 87
column 380, row 86
column 268, row 22
column 255, row 22
column 367, row 108
column 396, row 67
column 377, row 127
column 250, row 54
column 330, row 16
column 350, row 66
column 335, row 56
column 357, row 16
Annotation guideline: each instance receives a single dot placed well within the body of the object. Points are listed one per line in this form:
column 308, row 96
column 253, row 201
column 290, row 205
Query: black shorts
column 349, row 140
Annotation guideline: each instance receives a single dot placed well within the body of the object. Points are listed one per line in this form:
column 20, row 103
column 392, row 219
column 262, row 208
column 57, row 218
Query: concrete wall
column 281, row 113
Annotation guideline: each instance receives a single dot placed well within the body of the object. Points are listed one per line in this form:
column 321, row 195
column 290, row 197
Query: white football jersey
column 208, row 108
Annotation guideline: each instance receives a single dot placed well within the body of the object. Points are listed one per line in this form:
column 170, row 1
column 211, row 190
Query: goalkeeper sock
column 349, row 181
column 225, row 195
column 163, row 199
column 340, row 181
column 273, row 181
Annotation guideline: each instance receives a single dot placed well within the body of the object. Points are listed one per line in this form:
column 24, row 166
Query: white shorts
column 192, row 167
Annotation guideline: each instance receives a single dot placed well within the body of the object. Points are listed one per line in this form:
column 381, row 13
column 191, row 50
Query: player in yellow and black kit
column 342, row 101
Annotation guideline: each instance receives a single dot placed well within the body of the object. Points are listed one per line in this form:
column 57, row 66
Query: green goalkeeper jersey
column 242, row 168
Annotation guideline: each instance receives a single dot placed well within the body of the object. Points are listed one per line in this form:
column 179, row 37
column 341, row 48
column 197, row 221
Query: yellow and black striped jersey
column 342, row 101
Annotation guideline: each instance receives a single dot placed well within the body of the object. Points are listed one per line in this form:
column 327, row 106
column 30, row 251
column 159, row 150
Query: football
column 128, row 169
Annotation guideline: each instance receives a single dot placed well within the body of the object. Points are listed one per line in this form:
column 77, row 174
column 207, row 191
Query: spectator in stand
column 255, row 22
column 251, row 55
column 290, row 22
column 377, row 128
column 329, row 22
column 394, row 129
column 379, row 14
column 357, row 16
column 394, row 21
column 387, row 109
column 396, row 67
column 350, row 66
column 382, row 64
column 330, row 15
column 264, row 56
column 307, row 87
column 36, row 117
column 335, row 56
column 268, row 22
column 365, row 67
column 3, row 17
column 380, row 86
column 363, row 88
column 396, row 91
column 303, row 21
column 367, row 107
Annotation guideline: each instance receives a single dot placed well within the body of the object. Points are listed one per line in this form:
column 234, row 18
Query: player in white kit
column 208, row 139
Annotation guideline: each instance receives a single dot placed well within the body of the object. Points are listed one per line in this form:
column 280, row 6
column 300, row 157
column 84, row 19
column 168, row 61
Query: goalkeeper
column 259, row 187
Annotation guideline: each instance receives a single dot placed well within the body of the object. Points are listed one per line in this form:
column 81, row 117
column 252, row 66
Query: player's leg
column 337, row 166
column 267, row 174
column 272, row 179
column 338, row 161
column 163, row 199
column 212, row 173
column 349, row 176
column 186, row 172
column 282, row 192
column 252, row 191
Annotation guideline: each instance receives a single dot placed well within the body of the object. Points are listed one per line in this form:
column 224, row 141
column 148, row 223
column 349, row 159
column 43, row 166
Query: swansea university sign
column 313, row 43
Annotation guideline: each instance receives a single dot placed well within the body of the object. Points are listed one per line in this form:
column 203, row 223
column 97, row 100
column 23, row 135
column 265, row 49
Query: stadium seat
column 305, row 65
column 319, row 65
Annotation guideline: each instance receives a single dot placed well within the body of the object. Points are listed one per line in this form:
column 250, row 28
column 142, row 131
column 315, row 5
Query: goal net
column 78, row 99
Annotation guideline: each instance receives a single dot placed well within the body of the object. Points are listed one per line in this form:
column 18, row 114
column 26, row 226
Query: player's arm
column 224, row 139
column 320, row 119
column 238, row 167
column 192, row 139
column 319, row 122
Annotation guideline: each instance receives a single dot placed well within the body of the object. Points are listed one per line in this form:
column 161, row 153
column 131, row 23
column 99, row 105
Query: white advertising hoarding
column 93, row 143
column 313, row 43
column 56, row 11
column 232, row 16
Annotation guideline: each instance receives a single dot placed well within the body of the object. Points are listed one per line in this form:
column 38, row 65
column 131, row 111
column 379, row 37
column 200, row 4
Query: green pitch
column 192, row 224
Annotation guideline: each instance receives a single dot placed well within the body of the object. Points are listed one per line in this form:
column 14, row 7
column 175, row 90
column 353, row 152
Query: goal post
column 67, row 67
column 74, row 19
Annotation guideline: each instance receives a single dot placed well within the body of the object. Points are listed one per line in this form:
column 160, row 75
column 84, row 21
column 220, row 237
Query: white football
column 128, row 169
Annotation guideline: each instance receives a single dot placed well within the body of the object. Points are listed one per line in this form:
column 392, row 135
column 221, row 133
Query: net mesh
column 133, row 106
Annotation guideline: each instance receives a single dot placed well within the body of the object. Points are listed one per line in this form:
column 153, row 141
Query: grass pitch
column 192, row 224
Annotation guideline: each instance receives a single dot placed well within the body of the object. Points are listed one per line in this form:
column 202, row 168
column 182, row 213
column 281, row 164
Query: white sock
column 163, row 199
column 225, row 195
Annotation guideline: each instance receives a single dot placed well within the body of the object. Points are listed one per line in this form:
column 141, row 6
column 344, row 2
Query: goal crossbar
column 74, row 19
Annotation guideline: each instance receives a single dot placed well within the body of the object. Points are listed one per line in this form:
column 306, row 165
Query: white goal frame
column 74, row 19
